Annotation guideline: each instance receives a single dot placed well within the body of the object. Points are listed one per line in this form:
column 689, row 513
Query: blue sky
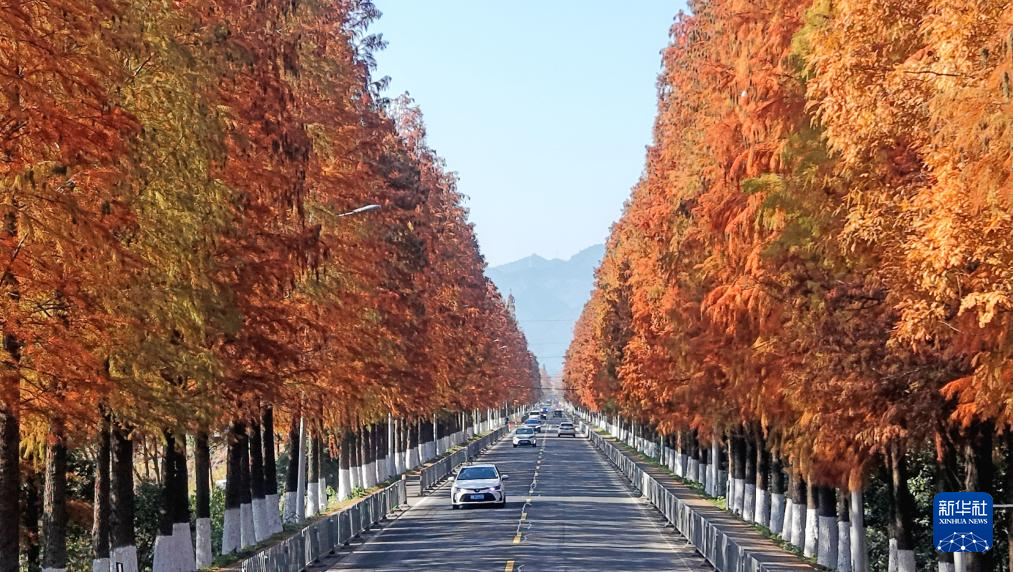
column 542, row 107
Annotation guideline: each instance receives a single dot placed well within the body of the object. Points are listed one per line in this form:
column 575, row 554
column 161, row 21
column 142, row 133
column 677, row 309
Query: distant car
column 557, row 413
column 478, row 485
column 535, row 424
column 525, row 436
column 567, row 428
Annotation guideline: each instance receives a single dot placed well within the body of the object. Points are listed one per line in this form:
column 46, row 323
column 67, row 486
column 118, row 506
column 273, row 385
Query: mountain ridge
column 549, row 295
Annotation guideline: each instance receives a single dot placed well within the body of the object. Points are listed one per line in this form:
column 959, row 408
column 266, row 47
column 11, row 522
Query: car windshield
column 476, row 473
column 525, row 431
column 532, row 422
column 566, row 425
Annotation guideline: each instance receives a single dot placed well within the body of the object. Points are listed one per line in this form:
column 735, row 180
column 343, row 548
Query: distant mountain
column 549, row 296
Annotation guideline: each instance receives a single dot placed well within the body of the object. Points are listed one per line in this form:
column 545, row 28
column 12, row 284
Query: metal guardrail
column 325, row 536
column 433, row 474
column 719, row 549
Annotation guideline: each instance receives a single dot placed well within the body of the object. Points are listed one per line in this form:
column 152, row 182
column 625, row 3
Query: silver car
column 567, row 428
column 479, row 484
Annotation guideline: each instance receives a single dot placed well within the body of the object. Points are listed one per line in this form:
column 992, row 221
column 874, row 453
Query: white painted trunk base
column 100, row 565
column 859, row 554
column 738, row 494
column 123, row 559
column 947, row 567
column 162, row 554
column 891, row 565
column 777, row 506
column 761, row 513
column 246, row 534
column 182, row 539
column 344, row 488
column 54, row 570
column 371, row 474
column 204, row 555
column 691, row 474
column 748, row 502
column 826, row 542
column 260, row 530
column 364, row 476
column 311, row 499
column 322, row 495
column 798, row 513
column 232, row 527
column 811, row 533
column 680, row 466
column 273, row 513
column 906, row 561
column 789, row 516
column 703, row 472
column 843, row 546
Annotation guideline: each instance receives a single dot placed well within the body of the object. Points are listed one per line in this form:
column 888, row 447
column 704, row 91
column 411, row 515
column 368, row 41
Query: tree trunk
column 54, row 500
column 312, row 474
column 270, row 472
column 761, row 514
column 354, row 463
column 345, row 465
column 247, row 536
column 904, row 509
column 738, row 473
column 323, row 460
column 947, row 480
column 798, row 508
column 843, row 532
column 414, row 454
column 292, row 475
column 100, row 503
column 121, row 490
column 202, row 482
column 827, row 543
column 749, row 479
column 777, row 496
column 811, row 520
column 978, row 478
column 10, row 453
column 261, row 528
column 368, row 471
column 232, row 527
column 859, row 541
column 32, row 514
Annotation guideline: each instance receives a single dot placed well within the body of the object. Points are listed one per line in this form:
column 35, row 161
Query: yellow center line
column 509, row 566
column 524, row 516
column 517, row 538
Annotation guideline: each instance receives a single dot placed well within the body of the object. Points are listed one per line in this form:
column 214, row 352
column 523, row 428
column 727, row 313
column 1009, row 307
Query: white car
column 567, row 428
column 525, row 436
column 478, row 484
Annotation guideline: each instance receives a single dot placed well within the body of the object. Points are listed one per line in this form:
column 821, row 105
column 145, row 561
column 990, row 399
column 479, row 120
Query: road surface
column 567, row 510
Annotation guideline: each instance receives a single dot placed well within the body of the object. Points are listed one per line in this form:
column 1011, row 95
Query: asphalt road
column 567, row 510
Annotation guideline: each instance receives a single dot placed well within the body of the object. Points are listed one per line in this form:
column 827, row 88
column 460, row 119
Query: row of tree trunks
column 375, row 452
